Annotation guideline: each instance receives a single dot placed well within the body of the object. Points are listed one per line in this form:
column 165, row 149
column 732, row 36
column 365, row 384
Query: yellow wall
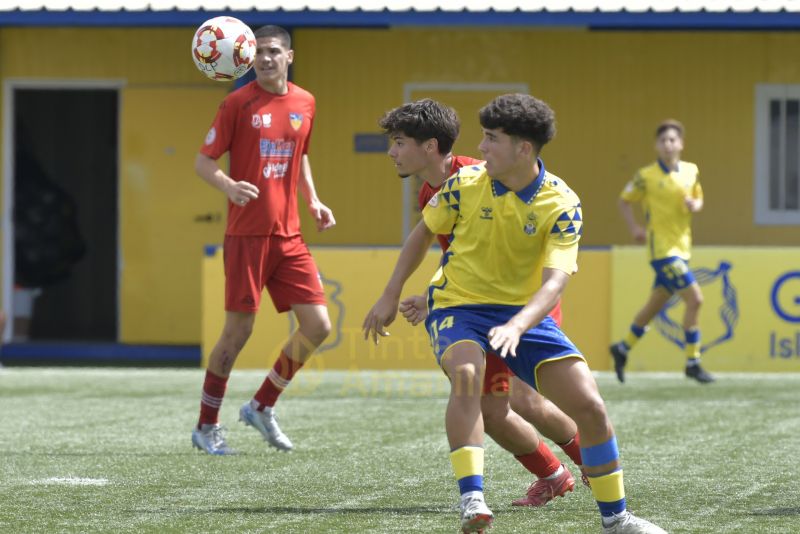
column 609, row 90
column 751, row 310
column 353, row 280
column 166, row 108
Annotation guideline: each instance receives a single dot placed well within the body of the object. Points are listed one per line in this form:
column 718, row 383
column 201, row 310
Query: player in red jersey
column 423, row 134
column 266, row 127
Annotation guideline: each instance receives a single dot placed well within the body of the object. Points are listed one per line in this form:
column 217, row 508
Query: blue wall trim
column 698, row 20
column 21, row 353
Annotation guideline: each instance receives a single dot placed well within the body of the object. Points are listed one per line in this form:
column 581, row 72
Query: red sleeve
column 218, row 138
column 426, row 192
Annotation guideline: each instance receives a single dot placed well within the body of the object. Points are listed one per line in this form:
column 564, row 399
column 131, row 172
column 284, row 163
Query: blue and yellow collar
column 529, row 192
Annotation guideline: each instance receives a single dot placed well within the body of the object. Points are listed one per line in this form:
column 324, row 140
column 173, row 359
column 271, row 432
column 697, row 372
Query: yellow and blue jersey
column 662, row 192
column 501, row 240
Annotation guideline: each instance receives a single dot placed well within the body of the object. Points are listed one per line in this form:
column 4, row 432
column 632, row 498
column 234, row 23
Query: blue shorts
column 544, row 342
column 673, row 273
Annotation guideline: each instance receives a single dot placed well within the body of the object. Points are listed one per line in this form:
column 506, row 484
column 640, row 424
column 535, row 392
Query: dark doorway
column 66, row 213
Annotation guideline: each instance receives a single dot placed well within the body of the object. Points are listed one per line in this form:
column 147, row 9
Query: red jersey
column 267, row 136
column 426, row 192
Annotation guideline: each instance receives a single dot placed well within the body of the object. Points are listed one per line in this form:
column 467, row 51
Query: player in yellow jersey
column 514, row 231
column 669, row 191
column 422, row 134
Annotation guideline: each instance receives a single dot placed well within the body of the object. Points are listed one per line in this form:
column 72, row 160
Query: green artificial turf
column 109, row 450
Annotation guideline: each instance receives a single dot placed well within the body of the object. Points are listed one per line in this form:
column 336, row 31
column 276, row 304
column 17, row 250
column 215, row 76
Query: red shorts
column 497, row 374
column 281, row 264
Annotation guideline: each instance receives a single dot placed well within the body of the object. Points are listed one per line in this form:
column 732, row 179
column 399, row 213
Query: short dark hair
column 522, row 116
column 670, row 124
column 275, row 31
column 422, row 120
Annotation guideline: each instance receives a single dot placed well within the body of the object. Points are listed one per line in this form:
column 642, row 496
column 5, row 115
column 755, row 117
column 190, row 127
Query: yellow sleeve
column 441, row 212
column 634, row 190
column 561, row 248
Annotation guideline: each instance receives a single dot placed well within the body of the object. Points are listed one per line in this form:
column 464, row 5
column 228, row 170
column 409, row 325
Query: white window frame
column 10, row 85
column 764, row 214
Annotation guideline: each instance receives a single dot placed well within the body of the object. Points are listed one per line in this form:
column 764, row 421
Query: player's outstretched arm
column 639, row 234
column 321, row 213
column 505, row 338
column 384, row 311
column 240, row 193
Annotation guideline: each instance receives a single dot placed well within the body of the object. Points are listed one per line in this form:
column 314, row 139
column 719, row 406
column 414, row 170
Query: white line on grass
column 72, row 481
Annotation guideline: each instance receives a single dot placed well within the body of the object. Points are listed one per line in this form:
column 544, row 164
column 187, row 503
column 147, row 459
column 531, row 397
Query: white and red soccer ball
column 224, row 48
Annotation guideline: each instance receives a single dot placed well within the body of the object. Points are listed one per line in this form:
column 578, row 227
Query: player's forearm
column 414, row 250
column 543, row 301
column 626, row 210
column 306, row 182
column 208, row 169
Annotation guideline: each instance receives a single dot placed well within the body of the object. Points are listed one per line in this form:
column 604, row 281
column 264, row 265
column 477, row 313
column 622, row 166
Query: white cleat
column 265, row 423
column 475, row 515
column 627, row 523
column 211, row 439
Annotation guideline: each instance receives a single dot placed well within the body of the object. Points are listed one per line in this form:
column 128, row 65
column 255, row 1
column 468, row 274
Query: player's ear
column 290, row 55
column 527, row 148
column 431, row 145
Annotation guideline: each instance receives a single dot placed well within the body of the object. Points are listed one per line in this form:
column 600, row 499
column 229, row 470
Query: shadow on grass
column 776, row 511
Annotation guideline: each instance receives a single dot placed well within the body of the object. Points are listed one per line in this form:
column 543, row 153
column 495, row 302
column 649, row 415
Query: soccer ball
column 224, row 48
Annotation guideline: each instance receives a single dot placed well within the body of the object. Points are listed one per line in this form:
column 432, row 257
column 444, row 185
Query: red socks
column 278, row 378
column 541, row 462
column 573, row 449
column 213, row 392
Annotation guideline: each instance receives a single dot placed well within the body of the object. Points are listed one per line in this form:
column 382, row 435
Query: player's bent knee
column 316, row 329
column 465, row 379
column 591, row 412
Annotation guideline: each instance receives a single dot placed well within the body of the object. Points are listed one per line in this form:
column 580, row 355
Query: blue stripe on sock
column 600, row 454
column 692, row 336
column 470, row 483
column 638, row 331
column 607, row 509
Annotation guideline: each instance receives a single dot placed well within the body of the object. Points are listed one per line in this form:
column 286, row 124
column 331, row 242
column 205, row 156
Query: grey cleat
column 211, row 439
column 265, row 423
column 627, row 523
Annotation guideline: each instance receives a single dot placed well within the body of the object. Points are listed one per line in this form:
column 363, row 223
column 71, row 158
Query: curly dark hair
column 522, row 116
column 275, row 31
column 670, row 124
column 422, row 120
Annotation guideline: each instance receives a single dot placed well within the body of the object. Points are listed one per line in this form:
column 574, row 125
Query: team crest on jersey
column 266, row 120
column 434, row 201
column 530, row 226
column 296, row 120
column 255, row 120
